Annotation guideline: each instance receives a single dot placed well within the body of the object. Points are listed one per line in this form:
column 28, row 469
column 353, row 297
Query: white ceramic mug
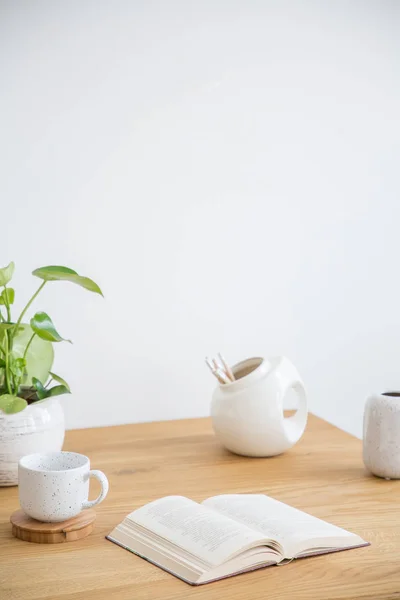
column 247, row 414
column 54, row 486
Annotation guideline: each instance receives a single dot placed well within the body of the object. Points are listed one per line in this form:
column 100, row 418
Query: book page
column 203, row 532
column 274, row 519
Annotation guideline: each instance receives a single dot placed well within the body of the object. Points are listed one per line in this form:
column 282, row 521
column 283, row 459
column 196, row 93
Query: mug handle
column 99, row 475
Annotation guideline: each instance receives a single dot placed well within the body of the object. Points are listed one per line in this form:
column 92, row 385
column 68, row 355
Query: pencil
column 227, row 368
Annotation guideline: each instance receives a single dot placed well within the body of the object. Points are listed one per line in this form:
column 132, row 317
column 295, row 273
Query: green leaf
column 57, row 390
column 42, row 393
column 39, row 358
column 18, row 366
column 12, row 404
column 40, row 390
column 60, row 380
column 4, row 326
column 54, row 273
column 2, row 364
column 6, row 274
column 5, row 400
column 43, row 326
column 7, row 294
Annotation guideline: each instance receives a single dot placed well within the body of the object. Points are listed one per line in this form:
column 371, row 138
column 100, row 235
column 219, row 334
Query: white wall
column 228, row 173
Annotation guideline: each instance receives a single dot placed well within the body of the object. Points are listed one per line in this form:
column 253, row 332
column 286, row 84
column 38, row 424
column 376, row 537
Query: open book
column 225, row 535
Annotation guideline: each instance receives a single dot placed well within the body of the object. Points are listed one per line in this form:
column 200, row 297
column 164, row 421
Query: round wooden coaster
column 28, row 529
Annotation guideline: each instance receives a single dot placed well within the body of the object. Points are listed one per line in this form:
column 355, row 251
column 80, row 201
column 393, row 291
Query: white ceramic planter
column 247, row 414
column 38, row 428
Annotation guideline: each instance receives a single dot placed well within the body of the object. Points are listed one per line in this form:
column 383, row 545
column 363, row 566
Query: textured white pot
column 38, row 428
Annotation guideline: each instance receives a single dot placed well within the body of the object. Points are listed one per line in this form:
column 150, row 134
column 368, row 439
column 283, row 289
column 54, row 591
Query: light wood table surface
column 323, row 474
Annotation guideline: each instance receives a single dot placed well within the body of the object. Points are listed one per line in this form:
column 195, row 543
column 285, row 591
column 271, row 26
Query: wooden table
column 323, row 475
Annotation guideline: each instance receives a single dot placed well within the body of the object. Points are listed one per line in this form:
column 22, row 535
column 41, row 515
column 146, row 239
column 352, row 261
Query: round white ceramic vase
column 38, row 428
column 381, row 439
column 247, row 414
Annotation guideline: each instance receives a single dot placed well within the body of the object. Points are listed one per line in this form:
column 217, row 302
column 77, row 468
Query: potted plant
column 31, row 416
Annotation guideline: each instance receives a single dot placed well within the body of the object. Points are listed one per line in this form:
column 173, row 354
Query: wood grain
column 323, row 474
column 28, row 529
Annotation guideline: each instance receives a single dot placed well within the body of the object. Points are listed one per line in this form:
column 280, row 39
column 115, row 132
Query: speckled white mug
column 54, row 486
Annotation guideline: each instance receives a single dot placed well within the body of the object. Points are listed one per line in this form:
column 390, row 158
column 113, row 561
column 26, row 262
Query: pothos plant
column 18, row 385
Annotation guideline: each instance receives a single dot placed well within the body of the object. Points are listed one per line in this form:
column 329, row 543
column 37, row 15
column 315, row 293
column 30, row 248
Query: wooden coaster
column 28, row 529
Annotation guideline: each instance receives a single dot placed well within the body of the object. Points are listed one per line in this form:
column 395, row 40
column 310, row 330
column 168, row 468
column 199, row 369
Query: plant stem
column 6, row 302
column 17, row 380
column 6, row 371
column 21, row 316
column 28, row 344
